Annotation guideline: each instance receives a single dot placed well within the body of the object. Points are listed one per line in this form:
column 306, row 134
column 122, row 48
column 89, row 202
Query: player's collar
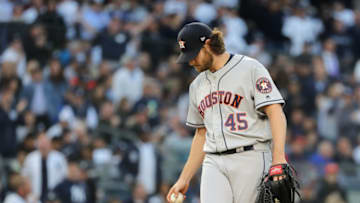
column 231, row 62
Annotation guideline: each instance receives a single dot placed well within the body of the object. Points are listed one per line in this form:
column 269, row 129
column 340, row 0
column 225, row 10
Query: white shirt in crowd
column 346, row 16
column 38, row 104
column 56, row 169
column 236, row 29
column 14, row 198
column 147, row 167
column 68, row 114
column 301, row 30
column 205, row 12
column 6, row 9
column 128, row 84
column 11, row 55
column 331, row 63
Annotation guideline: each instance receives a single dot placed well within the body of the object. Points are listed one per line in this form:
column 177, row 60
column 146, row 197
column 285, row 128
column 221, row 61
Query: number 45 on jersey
column 236, row 121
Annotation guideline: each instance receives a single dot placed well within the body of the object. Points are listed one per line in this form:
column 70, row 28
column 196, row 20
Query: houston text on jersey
column 223, row 97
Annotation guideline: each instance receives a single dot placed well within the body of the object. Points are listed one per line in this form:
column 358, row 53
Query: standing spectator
column 55, row 88
column 93, row 19
column 343, row 41
column 128, row 81
column 301, row 28
column 329, row 108
column 45, row 167
column 271, row 25
column 152, row 41
column 35, row 96
column 175, row 150
column 307, row 85
column 54, row 25
column 113, row 41
column 6, row 7
column 235, row 31
column 69, row 9
column 150, row 173
column 8, row 118
column 21, row 190
column 321, row 76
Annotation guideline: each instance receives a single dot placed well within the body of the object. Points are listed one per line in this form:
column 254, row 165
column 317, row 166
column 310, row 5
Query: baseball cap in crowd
column 191, row 39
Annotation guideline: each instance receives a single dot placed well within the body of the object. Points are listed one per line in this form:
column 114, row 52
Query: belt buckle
column 239, row 149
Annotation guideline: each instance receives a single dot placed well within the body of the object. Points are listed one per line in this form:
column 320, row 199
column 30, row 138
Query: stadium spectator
column 74, row 188
column 330, row 190
column 90, row 74
column 301, row 28
column 21, row 188
column 45, row 168
column 127, row 81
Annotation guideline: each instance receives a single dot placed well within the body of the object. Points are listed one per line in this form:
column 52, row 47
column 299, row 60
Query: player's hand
column 277, row 178
column 180, row 186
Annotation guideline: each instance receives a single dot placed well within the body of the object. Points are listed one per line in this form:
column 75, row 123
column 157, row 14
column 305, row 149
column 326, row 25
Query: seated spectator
column 343, row 155
column 139, row 194
column 15, row 53
column 330, row 191
column 74, row 188
column 21, row 190
column 323, row 156
column 79, row 108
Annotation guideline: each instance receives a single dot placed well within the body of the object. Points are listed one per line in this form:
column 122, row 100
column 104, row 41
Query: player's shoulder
column 251, row 62
column 248, row 64
column 199, row 78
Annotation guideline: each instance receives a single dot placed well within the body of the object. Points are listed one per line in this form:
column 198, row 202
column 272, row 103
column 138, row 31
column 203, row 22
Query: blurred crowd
column 93, row 104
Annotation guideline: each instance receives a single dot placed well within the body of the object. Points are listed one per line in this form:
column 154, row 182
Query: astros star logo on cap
column 182, row 44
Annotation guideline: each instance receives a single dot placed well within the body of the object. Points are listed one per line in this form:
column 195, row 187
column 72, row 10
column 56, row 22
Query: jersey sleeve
column 194, row 118
column 264, row 90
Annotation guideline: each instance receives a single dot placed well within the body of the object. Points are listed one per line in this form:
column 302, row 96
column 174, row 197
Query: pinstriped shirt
column 227, row 104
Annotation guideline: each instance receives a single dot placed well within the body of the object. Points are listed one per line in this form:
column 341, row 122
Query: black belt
column 235, row 150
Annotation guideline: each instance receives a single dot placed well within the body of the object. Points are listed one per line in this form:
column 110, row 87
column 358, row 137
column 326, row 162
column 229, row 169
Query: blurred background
column 90, row 89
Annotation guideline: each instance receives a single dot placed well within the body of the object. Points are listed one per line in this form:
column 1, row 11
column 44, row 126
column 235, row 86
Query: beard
column 206, row 62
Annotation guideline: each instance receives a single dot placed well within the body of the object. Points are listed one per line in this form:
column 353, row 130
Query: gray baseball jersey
column 227, row 103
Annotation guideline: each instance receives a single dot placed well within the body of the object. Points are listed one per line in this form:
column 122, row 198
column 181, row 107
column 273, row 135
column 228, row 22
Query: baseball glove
column 283, row 190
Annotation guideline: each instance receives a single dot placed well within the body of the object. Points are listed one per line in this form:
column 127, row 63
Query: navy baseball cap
column 191, row 39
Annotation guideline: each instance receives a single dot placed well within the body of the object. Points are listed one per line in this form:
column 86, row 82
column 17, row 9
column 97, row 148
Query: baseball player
column 237, row 112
